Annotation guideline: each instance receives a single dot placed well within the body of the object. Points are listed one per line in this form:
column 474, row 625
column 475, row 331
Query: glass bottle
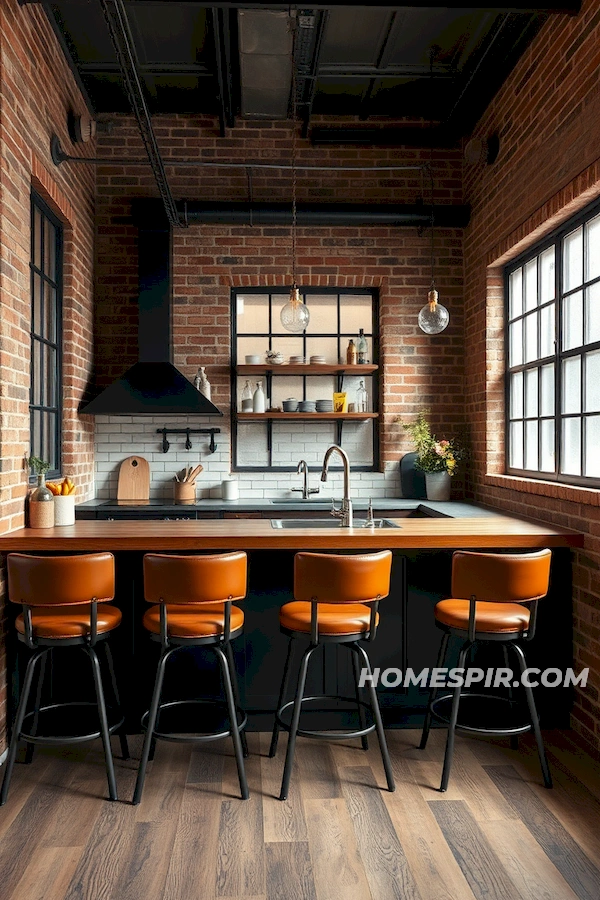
column 258, row 400
column 351, row 354
column 362, row 398
column 201, row 382
column 246, row 398
column 41, row 505
column 362, row 348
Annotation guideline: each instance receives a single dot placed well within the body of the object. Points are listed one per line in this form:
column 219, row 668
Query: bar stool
column 66, row 603
column 192, row 597
column 336, row 602
column 497, row 585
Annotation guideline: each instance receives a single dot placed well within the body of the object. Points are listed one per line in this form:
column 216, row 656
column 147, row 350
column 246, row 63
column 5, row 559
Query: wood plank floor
column 497, row 834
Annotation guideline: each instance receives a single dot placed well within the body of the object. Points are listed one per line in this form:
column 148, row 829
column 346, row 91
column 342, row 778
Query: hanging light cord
column 431, row 58
column 293, row 25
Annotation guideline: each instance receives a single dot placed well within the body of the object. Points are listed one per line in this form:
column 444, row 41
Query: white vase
column 437, row 485
column 201, row 383
column 258, row 400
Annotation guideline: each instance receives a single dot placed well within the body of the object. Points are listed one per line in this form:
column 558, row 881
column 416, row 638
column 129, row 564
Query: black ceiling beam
column 109, row 68
column 351, row 71
column 307, row 71
column 122, row 39
column 222, row 44
column 565, row 7
column 67, row 53
column 384, row 137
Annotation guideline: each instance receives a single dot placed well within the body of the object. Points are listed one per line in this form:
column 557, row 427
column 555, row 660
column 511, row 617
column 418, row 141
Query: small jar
column 41, row 505
column 230, row 489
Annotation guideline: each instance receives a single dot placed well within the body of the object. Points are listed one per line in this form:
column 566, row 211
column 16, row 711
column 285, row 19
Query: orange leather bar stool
column 336, row 601
column 497, row 586
column 192, row 599
column 66, row 603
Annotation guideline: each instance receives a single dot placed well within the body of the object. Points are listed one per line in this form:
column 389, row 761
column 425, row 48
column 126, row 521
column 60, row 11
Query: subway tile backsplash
column 118, row 437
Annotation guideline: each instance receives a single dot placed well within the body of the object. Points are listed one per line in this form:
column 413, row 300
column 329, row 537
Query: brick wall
column 36, row 90
column 548, row 118
column 209, row 260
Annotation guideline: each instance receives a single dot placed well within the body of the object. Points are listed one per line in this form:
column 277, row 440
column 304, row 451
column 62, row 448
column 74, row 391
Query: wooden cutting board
column 134, row 479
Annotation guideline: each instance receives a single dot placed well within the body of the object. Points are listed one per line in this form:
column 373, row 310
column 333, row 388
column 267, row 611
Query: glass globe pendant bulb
column 434, row 317
column 295, row 315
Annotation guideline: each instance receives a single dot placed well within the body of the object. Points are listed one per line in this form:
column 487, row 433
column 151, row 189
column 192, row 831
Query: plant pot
column 64, row 509
column 437, row 485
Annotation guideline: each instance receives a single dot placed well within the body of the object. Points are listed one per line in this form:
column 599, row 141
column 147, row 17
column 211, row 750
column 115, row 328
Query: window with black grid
column 553, row 342
column 45, row 402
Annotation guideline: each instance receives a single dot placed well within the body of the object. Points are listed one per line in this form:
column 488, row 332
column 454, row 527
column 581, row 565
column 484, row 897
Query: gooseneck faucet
column 345, row 513
column 306, row 491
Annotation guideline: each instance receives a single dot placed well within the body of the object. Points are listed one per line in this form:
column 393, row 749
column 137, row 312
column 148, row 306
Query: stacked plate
column 317, row 360
column 307, row 406
column 324, row 406
column 296, row 360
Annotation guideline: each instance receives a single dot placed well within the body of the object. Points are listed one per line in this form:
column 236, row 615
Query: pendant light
column 295, row 315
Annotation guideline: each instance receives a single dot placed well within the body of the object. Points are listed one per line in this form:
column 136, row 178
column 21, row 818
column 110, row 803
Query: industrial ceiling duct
column 265, row 43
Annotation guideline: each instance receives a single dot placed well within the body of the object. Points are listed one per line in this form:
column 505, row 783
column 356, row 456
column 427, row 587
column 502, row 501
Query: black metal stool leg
column 385, row 756
column 236, row 692
column 21, row 709
column 462, row 656
column 289, row 756
column 534, row 719
column 150, row 725
column 233, row 720
column 514, row 738
column 121, row 731
column 36, row 710
column 361, row 711
column 433, row 692
column 110, row 768
column 282, row 693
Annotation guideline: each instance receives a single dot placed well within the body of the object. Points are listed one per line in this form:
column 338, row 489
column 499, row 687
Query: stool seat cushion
column 333, row 618
column 188, row 620
column 495, row 618
column 69, row 621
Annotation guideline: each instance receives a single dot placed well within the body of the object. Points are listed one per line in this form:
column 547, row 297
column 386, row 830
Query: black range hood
column 153, row 386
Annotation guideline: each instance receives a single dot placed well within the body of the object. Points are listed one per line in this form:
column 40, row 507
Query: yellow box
column 340, row 402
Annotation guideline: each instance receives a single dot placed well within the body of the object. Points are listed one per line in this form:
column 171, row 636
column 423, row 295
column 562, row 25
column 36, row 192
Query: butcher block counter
column 251, row 534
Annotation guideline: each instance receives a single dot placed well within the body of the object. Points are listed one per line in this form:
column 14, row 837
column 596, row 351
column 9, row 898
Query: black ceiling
column 437, row 64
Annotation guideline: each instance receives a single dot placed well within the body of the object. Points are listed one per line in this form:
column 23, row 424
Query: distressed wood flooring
column 496, row 834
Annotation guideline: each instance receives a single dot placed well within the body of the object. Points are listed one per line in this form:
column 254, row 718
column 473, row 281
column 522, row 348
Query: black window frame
column 373, row 335
column 555, row 239
column 56, row 284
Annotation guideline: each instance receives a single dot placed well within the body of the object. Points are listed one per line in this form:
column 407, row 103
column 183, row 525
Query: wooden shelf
column 332, row 416
column 305, row 369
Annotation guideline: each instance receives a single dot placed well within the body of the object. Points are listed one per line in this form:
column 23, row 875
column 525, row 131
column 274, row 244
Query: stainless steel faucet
column 345, row 513
column 306, row 491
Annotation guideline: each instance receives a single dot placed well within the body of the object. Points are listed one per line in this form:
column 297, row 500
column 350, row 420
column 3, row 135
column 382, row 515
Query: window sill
column 569, row 492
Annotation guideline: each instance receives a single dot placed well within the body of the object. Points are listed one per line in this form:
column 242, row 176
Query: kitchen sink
column 327, row 523
column 321, row 501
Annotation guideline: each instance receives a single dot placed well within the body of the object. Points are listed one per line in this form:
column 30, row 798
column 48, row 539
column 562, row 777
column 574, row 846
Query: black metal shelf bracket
column 187, row 431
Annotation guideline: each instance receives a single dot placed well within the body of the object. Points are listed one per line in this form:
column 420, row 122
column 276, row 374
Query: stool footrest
column 327, row 735
column 73, row 712
column 194, row 736
column 493, row 708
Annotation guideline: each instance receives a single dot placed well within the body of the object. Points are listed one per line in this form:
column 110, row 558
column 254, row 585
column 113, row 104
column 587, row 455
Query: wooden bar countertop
column 251, row 534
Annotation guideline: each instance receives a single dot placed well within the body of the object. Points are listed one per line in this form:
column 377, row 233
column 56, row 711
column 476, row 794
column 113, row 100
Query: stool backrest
column 500, row 577
column 60, row 580
column 195, row 579
column 335, row 578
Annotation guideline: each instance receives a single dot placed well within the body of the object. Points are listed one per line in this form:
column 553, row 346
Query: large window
column 553, row 340
column 45, row 403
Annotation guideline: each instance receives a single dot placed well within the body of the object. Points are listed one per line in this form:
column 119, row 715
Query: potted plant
column 41, row 501
column 437, row 459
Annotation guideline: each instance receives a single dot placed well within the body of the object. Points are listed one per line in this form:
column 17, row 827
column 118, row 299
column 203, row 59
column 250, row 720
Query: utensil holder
column 64, row 510
column 184, row 490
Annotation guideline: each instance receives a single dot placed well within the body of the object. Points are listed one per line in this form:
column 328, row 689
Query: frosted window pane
column 515, row 289
column 327, row 347
column 355, row 313
column 531, row 337
column 516, row 445
column 592, row 447
column 592, row 382
column 288, row 344
column 547, row 279
column 571, row 443
column 278, row 301
column 573, row 260
column 516, row 395
column 252, row 313
column 547, row 331
column 531, row 445
column 323, row 314
column 531, row 295
column 547, row 446
column 547, row 388
column 571, row 388
column 322, row 388
column 516, row 343
column 573, row 321
column 531, row 393
column 592, row 247
column 285, row 388
column 592, row 314
column 252, row 445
